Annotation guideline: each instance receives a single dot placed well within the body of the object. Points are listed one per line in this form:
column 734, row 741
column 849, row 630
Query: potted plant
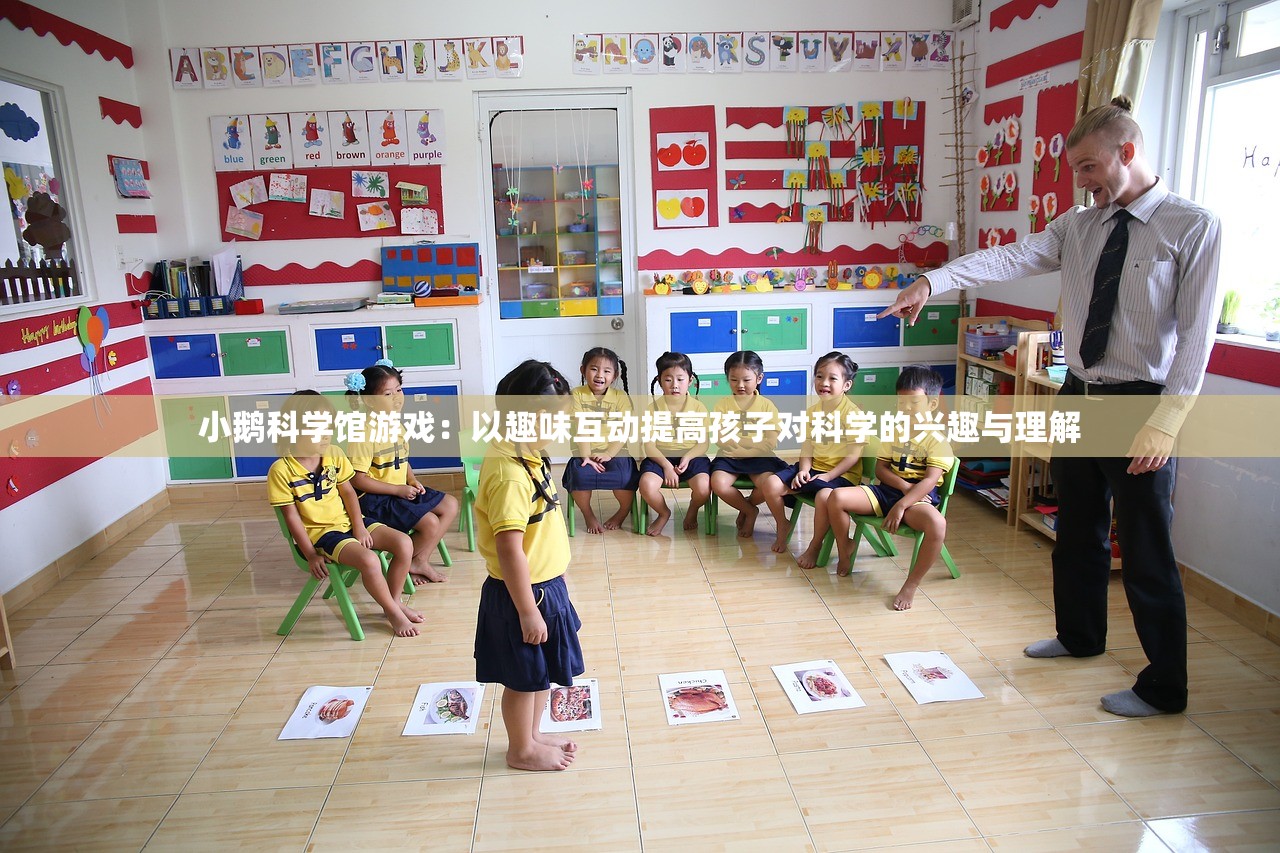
column 1230, row 307
column 1271, row 310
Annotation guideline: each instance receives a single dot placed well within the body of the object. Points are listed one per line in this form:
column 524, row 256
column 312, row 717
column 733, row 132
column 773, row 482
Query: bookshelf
column 563, row 257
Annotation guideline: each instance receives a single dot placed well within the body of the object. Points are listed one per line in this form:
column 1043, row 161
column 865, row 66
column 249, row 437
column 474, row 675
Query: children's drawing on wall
column 755, row 51
column 893, row 51
column 247, row 192
column 369, row 184
column 508, row 56
column 811, row 51
column 243, row 223
column 448, row 59
column 866, row 51
column 644, row 53
column 375, row 216
column 782, row 52
column 419, row 220
column 479, row 58
column 839, row 53
column 728, row 53
column 671, row 57
column 701, row 58
column 918, row 51
column 615, row 53
column 420, row 56
column 327, row 203
column 286, row 186
column 586, row 53
column 940, row 49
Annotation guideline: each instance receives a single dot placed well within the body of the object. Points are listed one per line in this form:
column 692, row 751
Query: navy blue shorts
column 884, row 497
column 619, row 473
column 331, row 543
column 813, row 486
column 745, row 466
column 697, row 465
column 502, row 655
column 401, row 513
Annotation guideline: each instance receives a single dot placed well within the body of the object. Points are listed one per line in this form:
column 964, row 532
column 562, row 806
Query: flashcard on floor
column 446, row 708
column 573, row 709
column 326, row 712
column 817, row 685
column 697, row 697
column 932, row 677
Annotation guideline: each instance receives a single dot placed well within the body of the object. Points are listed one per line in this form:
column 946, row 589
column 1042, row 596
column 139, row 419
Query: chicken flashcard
column 697, row 697
column 508, row 56
column 586, row 53
column 362, row 60
column 817, row 685
column 388, row 138
column 272, row 148
column 866, row 50
column 573, row 709
column 478, row 57
column 275, row 65
column 326, row 712
column 334, row 67
column 232, row 148
column 445, row 708
column 671, row 55
column 349, row 138
column 449, row 59
column 309, row 134
column 839, row 51
column 782, row 52
column 285, row 186
column 304, row 65
column 755, row 52
column 932, row 677
column 246, row 68
column 644, row 53
column 811, row 51
column 391, row 61
column 250, row 191
column 329, row 204
column 243, row 223
column 421, row 60
column 215, row 67
column 375, row 216
column 701, row 53
column 893, row 51
column 369, row 184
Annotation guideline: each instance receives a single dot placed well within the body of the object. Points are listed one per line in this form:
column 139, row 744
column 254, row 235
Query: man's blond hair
column 1113, row 121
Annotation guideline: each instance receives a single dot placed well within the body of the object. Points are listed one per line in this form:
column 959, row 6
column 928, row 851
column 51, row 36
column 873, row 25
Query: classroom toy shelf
column 558, row 256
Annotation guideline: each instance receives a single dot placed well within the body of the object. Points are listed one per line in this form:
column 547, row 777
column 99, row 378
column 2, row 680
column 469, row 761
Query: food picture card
column 817, row 685
column 573, row 709
column 697, row 697
column 932, row 677
column 445, row 708
column 326, row 712
column 287, row 187
column 375, row 216
column 369, row 184
column 330, row 204
column 243, row 223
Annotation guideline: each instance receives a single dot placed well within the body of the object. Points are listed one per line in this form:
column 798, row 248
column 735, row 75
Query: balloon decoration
column 91, row 329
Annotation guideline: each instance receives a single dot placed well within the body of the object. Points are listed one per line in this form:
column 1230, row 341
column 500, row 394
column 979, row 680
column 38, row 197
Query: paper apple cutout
column 669, row 156
column 692, row 206
column 695, row 153
column 669, row 208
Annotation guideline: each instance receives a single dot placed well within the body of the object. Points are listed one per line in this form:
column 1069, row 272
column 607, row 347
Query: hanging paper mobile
column 837, row 118
column 1037, row 154
column 1056, row 145
column 873, row 112
column 796, row 181
column 838, row 180
column 796, row 121
column 908, row 195
column 814, row 216
column 818, row 162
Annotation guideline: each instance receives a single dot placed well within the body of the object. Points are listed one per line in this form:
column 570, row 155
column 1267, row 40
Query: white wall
column 41, row 527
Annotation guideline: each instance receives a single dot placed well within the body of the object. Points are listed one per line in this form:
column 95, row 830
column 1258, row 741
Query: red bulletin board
column 1055, row 115
column 703, row 179
column 287, row 220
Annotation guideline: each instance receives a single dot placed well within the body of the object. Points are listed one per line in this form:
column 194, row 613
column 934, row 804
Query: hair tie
column 383, row 362
column 355, row 381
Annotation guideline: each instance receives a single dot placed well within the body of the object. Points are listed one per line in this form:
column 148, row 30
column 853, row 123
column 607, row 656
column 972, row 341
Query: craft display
column 684, row 170
column 437, row 270
column 1051, row 183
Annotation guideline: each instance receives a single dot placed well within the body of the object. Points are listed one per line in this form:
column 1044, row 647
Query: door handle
column 616, row 324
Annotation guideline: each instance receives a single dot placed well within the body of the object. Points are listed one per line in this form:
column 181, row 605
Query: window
column 1228, row 144
column 37, row 255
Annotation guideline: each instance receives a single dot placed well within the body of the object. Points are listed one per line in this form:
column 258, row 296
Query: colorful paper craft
column 129, row 180
column 375, row 216
column 419, row 220
column 369, row 184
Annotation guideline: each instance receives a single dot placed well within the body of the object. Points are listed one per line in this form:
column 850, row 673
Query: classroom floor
column 153, row 686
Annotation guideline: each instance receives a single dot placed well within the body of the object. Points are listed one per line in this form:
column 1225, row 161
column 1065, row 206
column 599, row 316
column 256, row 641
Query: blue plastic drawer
column 704, row 331
column 948, row 372
column 255, row 458
column 442, row 402
column 348, row 347
column 858, row 327
column 786, row 383
column 184, row 356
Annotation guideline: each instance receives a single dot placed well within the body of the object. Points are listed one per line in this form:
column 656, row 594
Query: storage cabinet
column 856, row 327
column 765, row 330
column 936, row 326
column 421, row 345
column 184, row 356
column 348, row 348
column 192, row 457
column 254, row 353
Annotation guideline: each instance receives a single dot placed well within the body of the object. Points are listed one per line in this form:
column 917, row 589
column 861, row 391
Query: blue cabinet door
column 441, row 401
column 858, row 327
column 253, row 459
column 184, row 356
column 948, row 373
column 348, row 347
column 704, row 331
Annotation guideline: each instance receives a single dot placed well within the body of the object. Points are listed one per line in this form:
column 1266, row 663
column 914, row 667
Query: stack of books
column 389, row 300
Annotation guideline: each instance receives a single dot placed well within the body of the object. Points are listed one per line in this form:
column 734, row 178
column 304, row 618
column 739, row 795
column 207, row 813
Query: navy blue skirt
column 745, row 466
column 502, row 655
column 813, row 486
column 400, row 513
column 619, row 473
column 697, row 465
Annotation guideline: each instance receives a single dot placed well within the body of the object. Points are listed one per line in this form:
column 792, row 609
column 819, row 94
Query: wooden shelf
column 1035, row 520
column 998, row 365
column 6, row 641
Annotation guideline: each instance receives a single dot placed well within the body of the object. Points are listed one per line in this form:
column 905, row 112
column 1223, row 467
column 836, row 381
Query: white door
column 560, row 237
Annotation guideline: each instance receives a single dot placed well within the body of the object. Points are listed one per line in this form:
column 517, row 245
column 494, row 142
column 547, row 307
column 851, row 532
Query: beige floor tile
column 593, row 811
column 984, row 589
column 768, row 645
column 245, row 820
column 1237, row 833
column 390, row 816
column 178, row 687
column 1259, row 652
column 770, row 601
column 1025, row 781
column 74, row 597
column 38, row 641
column 290, row 673
column 159, row 531
column 71, row 693
column 975, row 845
column 1002, row 708
column 321, row 627
column 907, row 803
column 876, row 723
column 197, row 564
column 605, row 748
column 1218, row 680
column 1254, row 737
column 653, row 741
column 880, row 632
column 726, row 805
column 430, row 661
column 1132, row 836
column 1167, row 766
column 234, row 632
column 127, row 562
column 134, row 637
column 162, row 593
column 1067, row 691
column 105, row 825
column 133, row 758
column 12, row 679
column 30, row 756
column 1006, row 637
column 645, row 656
column 261, row 585
column 665, row 613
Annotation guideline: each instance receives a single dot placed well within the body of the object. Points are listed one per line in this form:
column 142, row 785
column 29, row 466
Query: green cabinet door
column 712, row 388
column 774, row 329
column 192, row 456
column 254, row 353
column 875, row 389
column 936, row 326
column 421, row 345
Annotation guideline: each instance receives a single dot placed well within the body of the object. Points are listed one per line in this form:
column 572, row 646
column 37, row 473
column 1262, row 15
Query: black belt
column 1075, row 385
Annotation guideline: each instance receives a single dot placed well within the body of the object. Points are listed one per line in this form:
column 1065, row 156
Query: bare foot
column 808, row 559
column 691, row 519
column 780, row 543
column 747, row 523
column 592, row 523
column 905, row 597
column 843, row 567
column 656, row 526
column 615, row 521
column 401, row 625
column 539, row 756
column 426, row 574
column 561, row 743
column 411, row 614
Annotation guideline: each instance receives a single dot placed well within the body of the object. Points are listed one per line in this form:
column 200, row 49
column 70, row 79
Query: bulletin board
column 285, row 220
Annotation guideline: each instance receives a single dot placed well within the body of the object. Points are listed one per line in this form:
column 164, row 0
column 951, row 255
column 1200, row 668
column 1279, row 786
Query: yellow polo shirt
column 507, row 500
column 613, row 400
column 759, row 404
column 691, row 412
column 829, row 451
column 910, row 460
column 387, row 463
column 315, row 494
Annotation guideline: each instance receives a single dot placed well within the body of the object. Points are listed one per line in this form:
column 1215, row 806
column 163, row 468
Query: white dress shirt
column 1164, row 321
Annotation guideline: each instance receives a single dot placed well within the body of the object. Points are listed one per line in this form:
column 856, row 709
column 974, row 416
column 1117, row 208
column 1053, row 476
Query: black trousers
column 1143, row 507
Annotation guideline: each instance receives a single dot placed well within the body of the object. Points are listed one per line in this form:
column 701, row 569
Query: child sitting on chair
column 909, row 472
column 311, row 485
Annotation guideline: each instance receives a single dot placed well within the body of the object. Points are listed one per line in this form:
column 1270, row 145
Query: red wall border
column 120, row 112
column 24, row 16
column 1063, row 50
column 1003, row 16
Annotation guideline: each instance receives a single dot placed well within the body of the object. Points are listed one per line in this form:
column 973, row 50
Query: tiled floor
column 153, row 686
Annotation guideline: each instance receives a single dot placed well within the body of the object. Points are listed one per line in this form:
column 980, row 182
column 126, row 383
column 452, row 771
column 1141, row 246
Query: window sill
column 37, row 307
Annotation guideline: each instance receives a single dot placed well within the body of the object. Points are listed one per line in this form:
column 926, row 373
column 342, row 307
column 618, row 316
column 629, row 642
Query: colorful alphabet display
column 327, row 63
column 318, row 138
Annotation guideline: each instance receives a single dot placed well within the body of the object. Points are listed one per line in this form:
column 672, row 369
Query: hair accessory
column 383, row 362
column 355, row 381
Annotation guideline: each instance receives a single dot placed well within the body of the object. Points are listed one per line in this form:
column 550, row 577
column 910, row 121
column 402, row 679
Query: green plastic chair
column 872, row 525
column 880, row 542
column 466, row 514
column 340, row 579
column 638, row 512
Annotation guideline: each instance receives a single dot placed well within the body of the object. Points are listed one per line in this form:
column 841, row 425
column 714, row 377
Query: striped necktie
column 1106, row 287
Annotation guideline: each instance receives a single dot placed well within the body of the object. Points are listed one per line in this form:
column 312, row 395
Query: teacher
column 1139, row 295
